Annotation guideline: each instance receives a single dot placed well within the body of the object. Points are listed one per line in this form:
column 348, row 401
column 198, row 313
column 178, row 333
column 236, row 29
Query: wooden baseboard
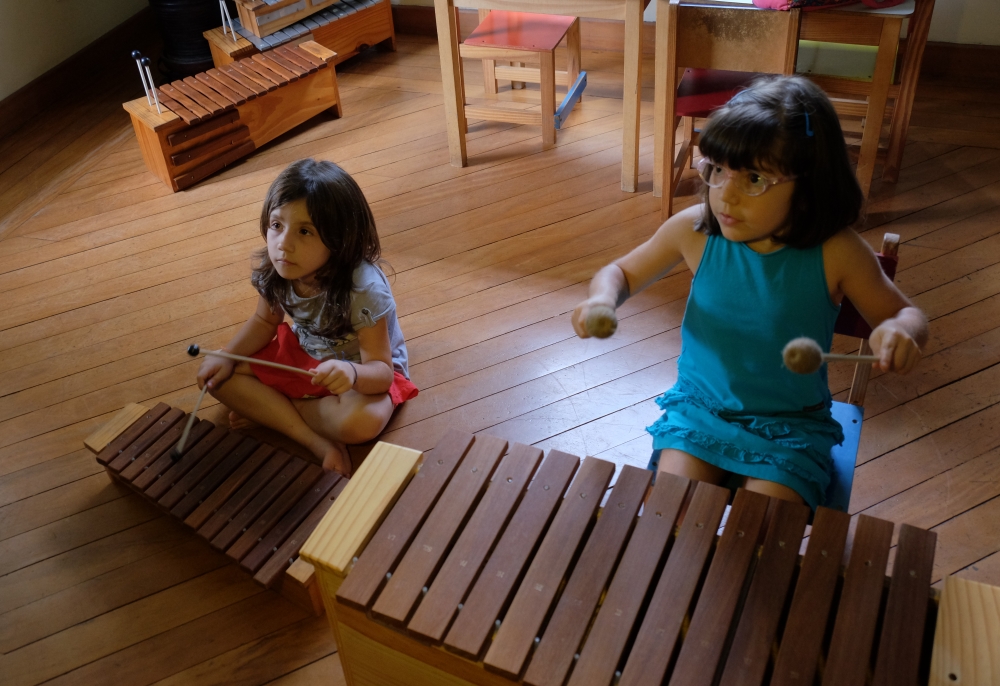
column 72, row 75
column 961, row 63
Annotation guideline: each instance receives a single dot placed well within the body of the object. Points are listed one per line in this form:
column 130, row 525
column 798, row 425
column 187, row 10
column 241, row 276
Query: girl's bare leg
column 684, row 464
column 244, row 394
column 350, row 418
column 773, row 490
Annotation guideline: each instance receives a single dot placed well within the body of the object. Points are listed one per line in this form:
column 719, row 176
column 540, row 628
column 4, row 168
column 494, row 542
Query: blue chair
column 851, row 413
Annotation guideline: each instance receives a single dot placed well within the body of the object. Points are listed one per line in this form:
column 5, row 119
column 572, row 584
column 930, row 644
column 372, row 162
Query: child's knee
column 362, row 425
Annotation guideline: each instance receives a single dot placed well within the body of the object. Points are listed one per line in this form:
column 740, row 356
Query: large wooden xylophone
column 212, row 119
column 457, row 571
column 249, row 500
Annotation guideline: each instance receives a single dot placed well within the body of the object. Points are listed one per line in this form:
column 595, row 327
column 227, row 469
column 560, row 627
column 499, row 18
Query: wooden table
column 451, row 68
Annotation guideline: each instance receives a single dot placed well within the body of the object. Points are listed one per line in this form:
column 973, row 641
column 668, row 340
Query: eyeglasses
column 747, row 181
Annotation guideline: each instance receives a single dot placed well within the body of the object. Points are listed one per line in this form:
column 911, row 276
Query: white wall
column 974, row 22
column 966, row 21
column 36, row 35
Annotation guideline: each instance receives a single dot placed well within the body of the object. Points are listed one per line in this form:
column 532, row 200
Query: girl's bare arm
column 673, row 242
column 252, row 336
column 373, row 375
column 899, row 328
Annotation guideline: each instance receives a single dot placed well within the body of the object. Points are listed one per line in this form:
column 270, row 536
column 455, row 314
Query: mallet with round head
column 601, row 321
column 804, row 356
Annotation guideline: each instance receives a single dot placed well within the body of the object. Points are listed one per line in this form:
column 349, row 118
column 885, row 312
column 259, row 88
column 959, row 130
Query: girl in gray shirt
column 319, row 269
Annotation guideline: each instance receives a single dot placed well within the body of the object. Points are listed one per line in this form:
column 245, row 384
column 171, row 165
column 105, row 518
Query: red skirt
column 284, row 348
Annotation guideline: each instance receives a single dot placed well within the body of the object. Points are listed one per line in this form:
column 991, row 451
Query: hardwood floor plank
column 107, row 592
column 327, row 671
column 57, row 504
column 211, row 325
column 191, row 643
column 929, row 412
column 47, row 475
column 967, row 538
column 72, row 532
column 127, row 626
column 297, row 647
column 929, row 455
column 105, row 313
column 946, row 495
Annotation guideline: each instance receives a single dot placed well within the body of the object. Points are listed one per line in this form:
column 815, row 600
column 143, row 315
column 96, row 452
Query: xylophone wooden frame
column 376, row 651
column 346, row 36
column 182, row 153
column 161, row 426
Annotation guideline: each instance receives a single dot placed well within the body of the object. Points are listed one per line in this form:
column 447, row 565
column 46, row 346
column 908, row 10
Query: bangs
column 745, row 135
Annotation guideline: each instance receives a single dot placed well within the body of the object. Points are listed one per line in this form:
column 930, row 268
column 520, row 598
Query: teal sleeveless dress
column 735, row 405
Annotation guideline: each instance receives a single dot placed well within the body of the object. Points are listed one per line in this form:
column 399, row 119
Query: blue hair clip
column 809, row 131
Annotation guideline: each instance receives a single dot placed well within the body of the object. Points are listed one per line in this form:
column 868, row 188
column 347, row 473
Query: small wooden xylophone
column 456, row 571
column 212, row 119
column 249, row 500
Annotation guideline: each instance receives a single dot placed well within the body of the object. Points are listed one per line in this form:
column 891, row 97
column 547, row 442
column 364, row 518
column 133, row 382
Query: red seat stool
column 521, row 37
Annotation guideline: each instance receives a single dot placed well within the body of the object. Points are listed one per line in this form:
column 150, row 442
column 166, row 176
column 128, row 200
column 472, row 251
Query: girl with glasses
column 773, row 252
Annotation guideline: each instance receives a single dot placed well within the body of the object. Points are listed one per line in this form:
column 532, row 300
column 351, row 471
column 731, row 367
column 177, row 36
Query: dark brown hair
column 345, row 224
column 787, row 125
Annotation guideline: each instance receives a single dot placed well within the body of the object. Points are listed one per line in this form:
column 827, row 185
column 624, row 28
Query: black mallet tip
column 136, row 54
column 144, row 61
column 175, row 455
column 193, row 350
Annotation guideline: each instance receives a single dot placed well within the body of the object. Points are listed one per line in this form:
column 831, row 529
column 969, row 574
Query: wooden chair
column 850, row 414
column 862, row 25
column 740, row 41
column 521, row 37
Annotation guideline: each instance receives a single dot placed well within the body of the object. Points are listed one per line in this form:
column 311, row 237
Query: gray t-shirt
column 371, row 301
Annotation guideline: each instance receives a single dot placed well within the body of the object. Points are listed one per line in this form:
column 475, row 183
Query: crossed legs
column 322, row 425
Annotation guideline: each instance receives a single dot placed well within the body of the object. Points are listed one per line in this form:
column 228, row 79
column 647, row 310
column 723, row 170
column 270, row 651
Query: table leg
column 884, row 63
column 547, row 78
column 632, row 95
column 916, row 40
column 660, row 133
column 451, row 81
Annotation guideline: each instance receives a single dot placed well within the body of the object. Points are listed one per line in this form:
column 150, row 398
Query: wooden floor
column 106, row 277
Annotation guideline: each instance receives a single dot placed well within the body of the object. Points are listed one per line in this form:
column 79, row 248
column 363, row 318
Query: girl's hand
column 338, row 376
column 214, row 371
column 896, row 348
column 583, row 310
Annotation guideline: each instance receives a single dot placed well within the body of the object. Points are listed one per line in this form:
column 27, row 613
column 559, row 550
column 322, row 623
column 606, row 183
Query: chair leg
column 548, row 87
column 884, row 62
column 861, row 373
column 517, row 85
column 573, row 52
column 489, row 66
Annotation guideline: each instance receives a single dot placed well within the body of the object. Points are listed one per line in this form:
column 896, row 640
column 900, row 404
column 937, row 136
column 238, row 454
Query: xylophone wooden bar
column 214, row 118
column 255, row 504
column 613, row 627
column 467, row 557
column 561, row 592
column 436, row 534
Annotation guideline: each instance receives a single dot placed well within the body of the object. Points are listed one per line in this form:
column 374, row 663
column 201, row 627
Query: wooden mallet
column 804, row 356
column 194, row 350
column 601, row 321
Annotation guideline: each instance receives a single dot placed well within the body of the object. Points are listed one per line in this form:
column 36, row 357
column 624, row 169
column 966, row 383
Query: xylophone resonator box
column 213, row 119
column 488, row 567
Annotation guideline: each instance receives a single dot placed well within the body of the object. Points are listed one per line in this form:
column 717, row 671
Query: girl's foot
column 337, row 459
column 238, row 421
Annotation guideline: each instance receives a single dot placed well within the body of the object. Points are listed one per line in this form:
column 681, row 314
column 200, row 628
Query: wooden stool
column 521, row 37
